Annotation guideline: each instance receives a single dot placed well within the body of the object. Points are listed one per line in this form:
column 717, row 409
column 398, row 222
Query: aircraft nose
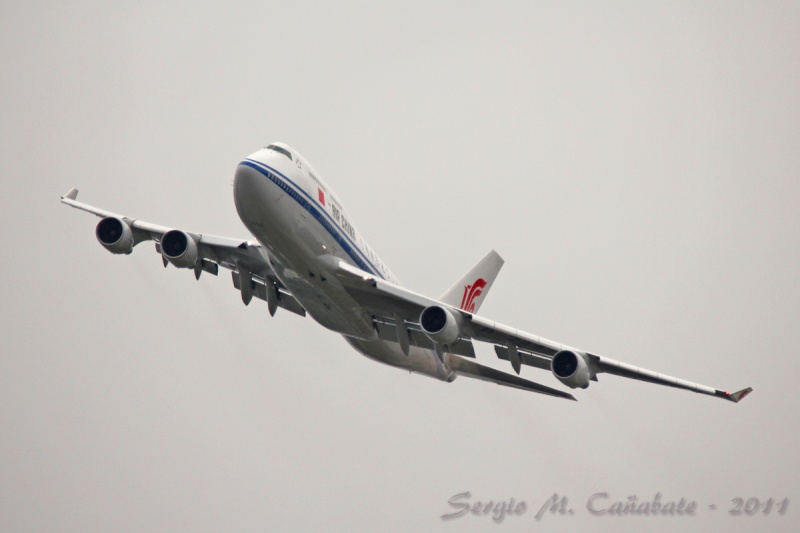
column 250, row 190
column 244, row 177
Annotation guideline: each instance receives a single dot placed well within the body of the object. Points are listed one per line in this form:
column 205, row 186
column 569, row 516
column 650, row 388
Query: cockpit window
column 280, row 150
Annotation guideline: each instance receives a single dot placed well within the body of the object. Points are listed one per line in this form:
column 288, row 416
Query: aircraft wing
column 248, row 262
column 397, row 316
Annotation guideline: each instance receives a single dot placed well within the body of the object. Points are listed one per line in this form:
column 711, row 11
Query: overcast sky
column 635, row 164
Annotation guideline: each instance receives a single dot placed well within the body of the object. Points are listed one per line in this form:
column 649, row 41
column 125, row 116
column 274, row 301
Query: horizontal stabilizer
column 471, row 369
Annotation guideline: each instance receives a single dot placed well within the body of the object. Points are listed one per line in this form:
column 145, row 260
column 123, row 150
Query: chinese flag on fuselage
column 321, row 196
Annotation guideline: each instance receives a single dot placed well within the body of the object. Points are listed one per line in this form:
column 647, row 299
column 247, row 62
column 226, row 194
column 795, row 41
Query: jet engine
column 179, row 248
column 440, row 325
column 572, row 369
column 115, row 235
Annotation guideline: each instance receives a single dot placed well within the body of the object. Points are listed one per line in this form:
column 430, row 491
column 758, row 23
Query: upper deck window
column 280, row 150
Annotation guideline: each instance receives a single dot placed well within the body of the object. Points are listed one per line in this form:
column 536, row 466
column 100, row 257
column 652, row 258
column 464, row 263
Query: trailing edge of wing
column 467, row 368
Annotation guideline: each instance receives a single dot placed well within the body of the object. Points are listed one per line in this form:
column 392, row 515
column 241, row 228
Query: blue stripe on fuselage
column 306, row 202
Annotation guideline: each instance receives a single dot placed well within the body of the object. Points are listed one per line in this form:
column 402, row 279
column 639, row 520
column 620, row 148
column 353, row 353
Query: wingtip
column 734, row 397
column 71, row 195
column 740, row 395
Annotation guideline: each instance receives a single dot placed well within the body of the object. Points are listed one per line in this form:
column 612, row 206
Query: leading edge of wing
column 618, row 368
column 242, row 248
column 471, row 369
column 381, row 295
column 238, row 255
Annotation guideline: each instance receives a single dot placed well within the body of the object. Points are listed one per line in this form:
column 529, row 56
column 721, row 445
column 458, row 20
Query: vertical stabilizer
column 468, row 292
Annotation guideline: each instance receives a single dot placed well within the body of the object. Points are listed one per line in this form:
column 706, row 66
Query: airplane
column 309, row 258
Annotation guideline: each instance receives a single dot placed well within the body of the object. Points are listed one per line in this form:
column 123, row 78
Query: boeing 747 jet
column 309, row 258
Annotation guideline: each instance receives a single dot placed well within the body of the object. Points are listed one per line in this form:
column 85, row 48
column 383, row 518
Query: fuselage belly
column 287, row 212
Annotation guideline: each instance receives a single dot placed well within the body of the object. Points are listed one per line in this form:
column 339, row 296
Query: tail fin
column 468, row 292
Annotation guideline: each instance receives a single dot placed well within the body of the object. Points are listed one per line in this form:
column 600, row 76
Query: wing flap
column 387, row 330
column 528, row 359
column 285, row 300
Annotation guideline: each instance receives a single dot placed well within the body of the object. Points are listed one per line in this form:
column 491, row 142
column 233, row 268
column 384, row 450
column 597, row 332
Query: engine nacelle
column 572, row 369
column 179, row 248
column 440, row 325
column 115, row 235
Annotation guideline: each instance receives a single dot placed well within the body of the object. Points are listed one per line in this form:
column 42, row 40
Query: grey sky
column 635, row 165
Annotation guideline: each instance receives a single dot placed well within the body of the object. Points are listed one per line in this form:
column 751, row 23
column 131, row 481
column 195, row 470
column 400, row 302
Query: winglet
column 735, row 397
column 71, row 195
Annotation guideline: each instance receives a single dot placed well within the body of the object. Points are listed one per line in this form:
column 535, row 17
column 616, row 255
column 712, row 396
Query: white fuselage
column 300, row 222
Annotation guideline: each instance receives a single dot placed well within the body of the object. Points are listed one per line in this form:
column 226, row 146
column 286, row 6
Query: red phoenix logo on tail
column 470, row 293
